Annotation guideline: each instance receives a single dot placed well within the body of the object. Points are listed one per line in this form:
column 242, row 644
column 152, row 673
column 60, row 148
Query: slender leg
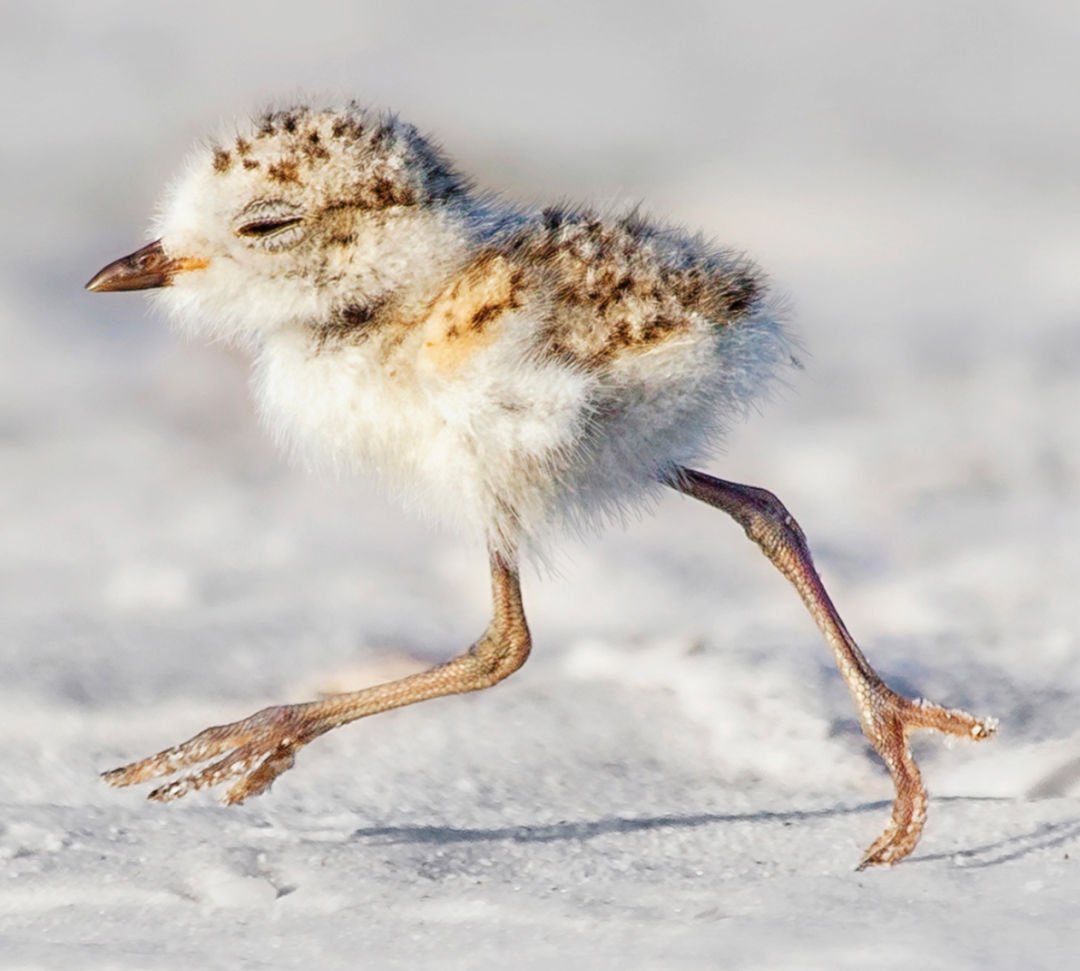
column 258, row 749
column 886, row 717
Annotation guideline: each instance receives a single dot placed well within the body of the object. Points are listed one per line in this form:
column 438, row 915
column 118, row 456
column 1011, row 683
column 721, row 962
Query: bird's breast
column 467, row 442
column 342, row 405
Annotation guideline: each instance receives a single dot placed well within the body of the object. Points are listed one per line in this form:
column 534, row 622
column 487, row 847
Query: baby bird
column 514, row 371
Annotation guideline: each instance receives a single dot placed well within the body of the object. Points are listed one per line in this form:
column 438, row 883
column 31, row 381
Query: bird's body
column 523, row 393
column 505, row 369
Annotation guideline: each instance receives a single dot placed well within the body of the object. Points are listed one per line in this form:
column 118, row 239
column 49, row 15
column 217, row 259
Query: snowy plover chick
column 508, row 369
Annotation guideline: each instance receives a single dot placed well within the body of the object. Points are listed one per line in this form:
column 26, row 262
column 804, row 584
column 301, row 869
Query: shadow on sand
column 565, row 830
column 1043, row 837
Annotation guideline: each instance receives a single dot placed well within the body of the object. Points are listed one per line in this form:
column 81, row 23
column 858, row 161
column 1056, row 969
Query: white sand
column 676, row 779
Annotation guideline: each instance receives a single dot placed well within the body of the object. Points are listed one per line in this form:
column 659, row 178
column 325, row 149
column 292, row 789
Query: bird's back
column 625, row 285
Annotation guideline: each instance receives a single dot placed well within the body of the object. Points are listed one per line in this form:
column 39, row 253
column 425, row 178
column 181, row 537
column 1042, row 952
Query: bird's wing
column 469, row 314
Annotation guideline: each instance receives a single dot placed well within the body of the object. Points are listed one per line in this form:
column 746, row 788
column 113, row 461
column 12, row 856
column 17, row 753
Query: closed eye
column 267, row 227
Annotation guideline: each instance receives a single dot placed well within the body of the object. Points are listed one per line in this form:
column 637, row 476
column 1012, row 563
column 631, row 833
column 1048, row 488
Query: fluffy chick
column 505, row 369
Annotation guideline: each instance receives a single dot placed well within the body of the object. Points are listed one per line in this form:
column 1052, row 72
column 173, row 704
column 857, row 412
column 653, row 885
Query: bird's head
column 302, row 213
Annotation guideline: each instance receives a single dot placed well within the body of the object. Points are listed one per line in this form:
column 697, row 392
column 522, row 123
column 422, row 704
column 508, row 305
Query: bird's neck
column 394, row 272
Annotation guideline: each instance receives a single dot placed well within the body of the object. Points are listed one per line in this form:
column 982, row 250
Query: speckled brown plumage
column 625, row 284
column 395, row 165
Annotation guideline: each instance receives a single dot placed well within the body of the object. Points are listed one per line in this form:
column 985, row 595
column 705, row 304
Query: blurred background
column 907, row 173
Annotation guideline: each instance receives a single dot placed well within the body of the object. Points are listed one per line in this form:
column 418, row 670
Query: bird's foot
column 257, row 750
column 888, row 719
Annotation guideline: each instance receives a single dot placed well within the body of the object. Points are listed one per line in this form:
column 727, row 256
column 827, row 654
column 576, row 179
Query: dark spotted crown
column 372, row 160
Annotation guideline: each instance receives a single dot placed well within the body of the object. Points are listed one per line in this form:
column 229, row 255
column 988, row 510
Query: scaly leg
column 258, row 749
column 886, row 717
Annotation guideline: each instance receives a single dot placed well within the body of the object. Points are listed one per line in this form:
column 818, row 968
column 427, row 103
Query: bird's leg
column 886, row 717
column 258, row 749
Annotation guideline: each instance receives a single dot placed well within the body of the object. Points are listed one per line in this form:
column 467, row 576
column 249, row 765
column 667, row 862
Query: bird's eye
column 267, row 227
column 270, row 224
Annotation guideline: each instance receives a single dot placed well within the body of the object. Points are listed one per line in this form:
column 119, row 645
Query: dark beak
column 143, row 269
